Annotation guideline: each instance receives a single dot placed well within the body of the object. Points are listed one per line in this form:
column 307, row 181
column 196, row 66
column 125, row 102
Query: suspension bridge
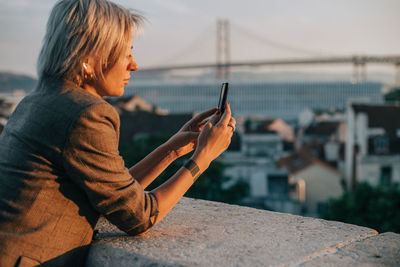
column 223, row 64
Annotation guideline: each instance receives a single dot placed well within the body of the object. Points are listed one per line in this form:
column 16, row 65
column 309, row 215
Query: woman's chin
column 119, row 92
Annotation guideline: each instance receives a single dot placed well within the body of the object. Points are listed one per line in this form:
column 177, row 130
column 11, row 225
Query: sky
column 184, row 31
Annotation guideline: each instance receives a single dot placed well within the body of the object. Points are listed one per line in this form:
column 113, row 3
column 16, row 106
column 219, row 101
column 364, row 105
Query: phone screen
column 222, row 97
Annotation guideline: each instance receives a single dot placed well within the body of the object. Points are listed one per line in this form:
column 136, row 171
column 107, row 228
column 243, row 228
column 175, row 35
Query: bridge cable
column 270, row 43
column 194, row 45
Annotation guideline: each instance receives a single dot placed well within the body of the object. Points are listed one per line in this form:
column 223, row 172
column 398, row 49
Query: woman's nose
column 133, row 66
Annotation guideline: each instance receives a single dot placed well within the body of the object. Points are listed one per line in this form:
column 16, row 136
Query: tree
column 210, row 184
column 374, row 207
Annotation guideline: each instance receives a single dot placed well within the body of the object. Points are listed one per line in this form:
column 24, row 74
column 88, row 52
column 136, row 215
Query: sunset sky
column 183, row 31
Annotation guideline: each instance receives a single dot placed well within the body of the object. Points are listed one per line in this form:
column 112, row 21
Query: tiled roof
column 300, row 160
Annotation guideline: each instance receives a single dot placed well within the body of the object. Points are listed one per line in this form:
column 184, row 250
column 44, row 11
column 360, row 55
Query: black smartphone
column 222, row 97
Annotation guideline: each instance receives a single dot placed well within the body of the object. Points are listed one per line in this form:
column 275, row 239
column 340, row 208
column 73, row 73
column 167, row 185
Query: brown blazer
column 59, row 170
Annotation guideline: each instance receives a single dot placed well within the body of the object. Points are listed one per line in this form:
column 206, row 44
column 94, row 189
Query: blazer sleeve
column 92, row 161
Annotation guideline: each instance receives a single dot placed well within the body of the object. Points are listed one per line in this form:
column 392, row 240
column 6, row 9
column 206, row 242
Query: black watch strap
column 192, row 167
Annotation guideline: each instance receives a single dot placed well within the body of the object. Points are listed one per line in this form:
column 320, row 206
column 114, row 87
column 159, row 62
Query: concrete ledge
column 380, row 250
column 204, row 233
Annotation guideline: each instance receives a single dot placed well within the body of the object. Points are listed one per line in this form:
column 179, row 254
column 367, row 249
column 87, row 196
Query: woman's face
column 116, row 78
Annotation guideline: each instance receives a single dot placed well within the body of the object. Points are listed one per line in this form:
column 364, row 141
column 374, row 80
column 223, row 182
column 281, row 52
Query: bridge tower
column 359, row 69
column 223, row 49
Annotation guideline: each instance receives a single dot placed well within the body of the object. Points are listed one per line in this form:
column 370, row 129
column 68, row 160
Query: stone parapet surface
column 205, row 233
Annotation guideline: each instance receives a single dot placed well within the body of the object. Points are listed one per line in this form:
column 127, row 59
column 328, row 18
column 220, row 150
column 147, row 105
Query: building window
column 278, row 186
column 386, row 175
column 381, row 144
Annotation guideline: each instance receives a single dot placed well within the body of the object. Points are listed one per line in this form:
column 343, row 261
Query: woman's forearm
column 183, row 142
column 213, row 139
column 149, row 168
column 171, row 191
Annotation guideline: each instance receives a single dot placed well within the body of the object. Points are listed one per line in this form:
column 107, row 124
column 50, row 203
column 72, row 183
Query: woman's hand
column 185, row 140
column 215, row 137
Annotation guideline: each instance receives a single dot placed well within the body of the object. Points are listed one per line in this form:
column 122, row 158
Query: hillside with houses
column 288, row 166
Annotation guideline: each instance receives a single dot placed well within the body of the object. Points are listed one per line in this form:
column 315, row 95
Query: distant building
column 316, row 181
column 262, row 141
column 269, row 187
column 373, row 144
column 139, row 117
column 393, row 96
column 266, row 138
column 324, row 132
column 143, row 122
column 329, row 114
column 317, row 166
column 325, row 141
column 134, row 103
column 284, row 130
column 277, row 99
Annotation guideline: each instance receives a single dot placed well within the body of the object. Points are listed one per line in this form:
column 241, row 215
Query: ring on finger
column 232, row 125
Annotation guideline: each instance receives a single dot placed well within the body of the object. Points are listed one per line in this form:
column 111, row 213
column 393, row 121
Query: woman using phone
column 60, row 168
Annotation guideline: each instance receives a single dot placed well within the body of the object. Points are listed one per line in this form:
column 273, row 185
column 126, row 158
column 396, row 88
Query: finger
column 201, row 124
column 232, row 126
column 233, row 121
column 192, row 124
column 214, row 119
column 192, row 135
column 226, row 116
column 231, row 136
column 207, row 126
column 203, row 116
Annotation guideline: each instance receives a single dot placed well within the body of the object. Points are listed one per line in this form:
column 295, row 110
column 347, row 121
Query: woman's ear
column 88, row 66
column 88, row 70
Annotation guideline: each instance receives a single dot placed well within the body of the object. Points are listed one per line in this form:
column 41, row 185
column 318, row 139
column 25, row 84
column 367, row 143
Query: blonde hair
column 78, row 29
